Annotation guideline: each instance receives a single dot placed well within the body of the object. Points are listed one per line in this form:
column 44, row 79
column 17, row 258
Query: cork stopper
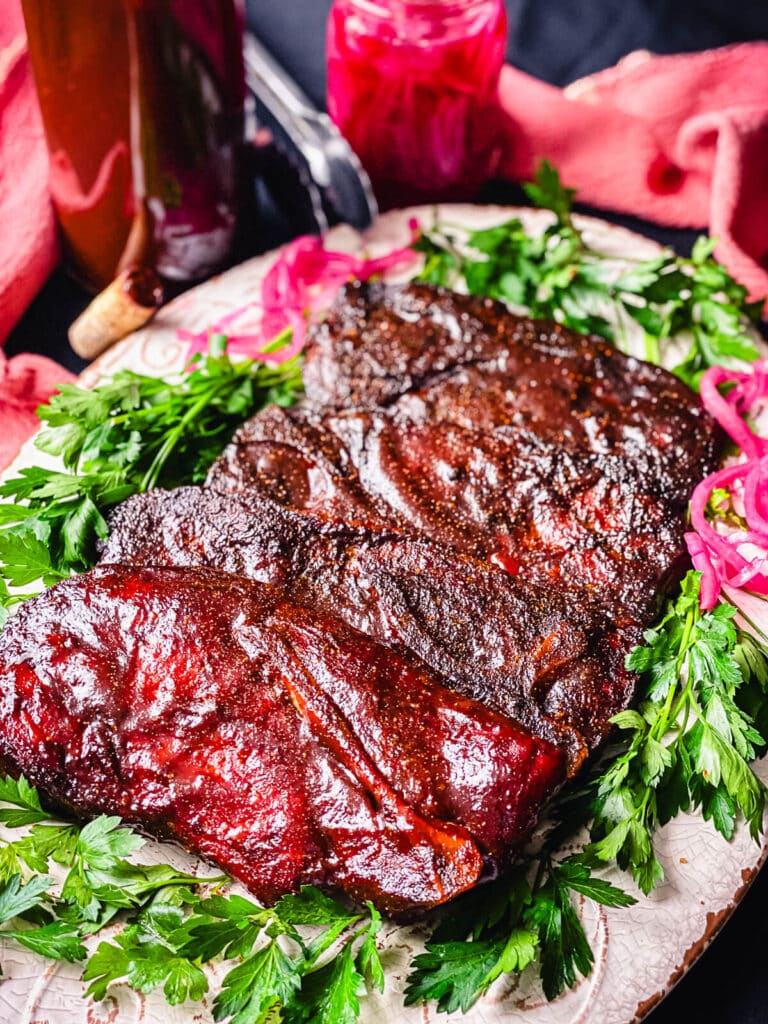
column 126, row 304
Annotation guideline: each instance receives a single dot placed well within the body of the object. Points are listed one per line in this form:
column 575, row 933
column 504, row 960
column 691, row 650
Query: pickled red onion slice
column 729, row 409
column 727, row 555
column 299, row 287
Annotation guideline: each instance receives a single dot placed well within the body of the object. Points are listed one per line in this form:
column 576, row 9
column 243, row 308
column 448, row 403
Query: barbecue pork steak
column 502, row 498
column 272, row 739
column 519, row 441
column 550, row 659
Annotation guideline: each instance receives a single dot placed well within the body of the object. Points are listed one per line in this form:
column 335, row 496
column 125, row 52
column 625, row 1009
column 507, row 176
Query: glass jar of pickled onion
column 412, row 84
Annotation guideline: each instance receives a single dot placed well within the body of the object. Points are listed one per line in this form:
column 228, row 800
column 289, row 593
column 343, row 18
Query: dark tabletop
column 559, row 41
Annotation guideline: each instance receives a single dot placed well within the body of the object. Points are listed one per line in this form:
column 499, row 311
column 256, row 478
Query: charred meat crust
column 493, row 435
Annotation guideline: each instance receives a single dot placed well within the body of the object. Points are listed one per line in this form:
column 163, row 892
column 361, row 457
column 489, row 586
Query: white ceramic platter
column 639, row 952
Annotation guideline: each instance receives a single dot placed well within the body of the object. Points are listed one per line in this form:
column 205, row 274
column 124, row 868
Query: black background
column 558, row 41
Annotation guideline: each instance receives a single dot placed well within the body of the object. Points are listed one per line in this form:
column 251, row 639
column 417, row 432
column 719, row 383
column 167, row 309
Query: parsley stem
column 684, row 700
column 662, row 723
column 652, row 348
column 172, row 438
column 544, row 865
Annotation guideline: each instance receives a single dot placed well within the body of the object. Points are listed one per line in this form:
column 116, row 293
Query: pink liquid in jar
column 412, row 84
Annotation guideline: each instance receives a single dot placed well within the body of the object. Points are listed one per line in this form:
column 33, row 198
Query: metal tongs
column 336, row 188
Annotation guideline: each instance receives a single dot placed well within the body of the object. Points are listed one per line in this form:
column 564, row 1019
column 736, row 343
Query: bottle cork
column 126, row 304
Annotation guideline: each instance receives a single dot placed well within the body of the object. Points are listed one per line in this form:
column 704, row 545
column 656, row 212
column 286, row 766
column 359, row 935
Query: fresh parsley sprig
column 527, row 917
column 557, row 275
column 126, row 435
column 99, row 882
column 309, row 956
column 690, row 741
column 278, row 967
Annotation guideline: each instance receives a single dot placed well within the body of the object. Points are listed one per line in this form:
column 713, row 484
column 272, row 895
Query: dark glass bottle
column 142, row 104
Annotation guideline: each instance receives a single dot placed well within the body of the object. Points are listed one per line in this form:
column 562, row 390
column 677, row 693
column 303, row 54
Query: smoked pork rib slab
column 272, row 739
column 498, row 436
column 549, row 659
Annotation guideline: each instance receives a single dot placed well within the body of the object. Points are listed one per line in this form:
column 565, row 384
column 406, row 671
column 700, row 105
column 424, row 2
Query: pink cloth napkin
column 28, row 244
column 25, row 382
column 679, row 140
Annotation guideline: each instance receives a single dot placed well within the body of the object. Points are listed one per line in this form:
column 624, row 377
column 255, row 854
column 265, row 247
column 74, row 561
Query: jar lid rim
column 385, row 7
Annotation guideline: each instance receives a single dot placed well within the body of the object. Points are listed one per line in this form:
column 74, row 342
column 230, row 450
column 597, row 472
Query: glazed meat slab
column 549, row 659
column 519, row 441
column 270, row 738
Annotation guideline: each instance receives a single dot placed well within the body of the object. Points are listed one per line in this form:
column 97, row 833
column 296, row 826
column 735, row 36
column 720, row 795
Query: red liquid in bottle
column 413, row 86
column 142, row 104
